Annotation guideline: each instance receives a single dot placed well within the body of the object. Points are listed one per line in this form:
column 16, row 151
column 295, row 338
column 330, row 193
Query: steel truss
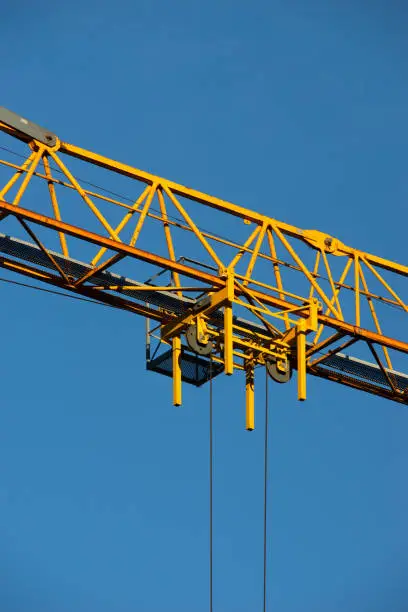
column 268, row 294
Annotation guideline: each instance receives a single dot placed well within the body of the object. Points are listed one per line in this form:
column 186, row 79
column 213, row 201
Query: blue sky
column 294, row 109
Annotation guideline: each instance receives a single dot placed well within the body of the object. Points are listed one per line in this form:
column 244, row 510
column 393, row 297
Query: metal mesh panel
column 179, row 305
column 32, row 253
column 194, row 369
column 363, row 370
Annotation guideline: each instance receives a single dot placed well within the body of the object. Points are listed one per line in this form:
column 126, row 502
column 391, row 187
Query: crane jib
column 265, row 293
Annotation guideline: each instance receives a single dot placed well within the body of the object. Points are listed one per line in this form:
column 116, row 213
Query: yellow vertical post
column 357, row 287
column 312, row 322
column 228, row 344
column 249, row 396
column 176, row 371
column 301, row 358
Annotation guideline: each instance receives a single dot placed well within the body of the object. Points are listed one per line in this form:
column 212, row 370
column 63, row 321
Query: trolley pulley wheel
column 194, row 344
column 279, row 375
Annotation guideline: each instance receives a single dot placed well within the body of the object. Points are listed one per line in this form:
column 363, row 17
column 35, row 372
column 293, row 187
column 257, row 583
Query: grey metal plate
column 27, row 127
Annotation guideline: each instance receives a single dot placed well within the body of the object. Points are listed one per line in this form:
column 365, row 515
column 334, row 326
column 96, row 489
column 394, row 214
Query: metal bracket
column 22, row 125
column 323, row 241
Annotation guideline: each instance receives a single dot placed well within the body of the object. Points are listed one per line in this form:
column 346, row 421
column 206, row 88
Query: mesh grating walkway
column 195, row 370
column 363, row 370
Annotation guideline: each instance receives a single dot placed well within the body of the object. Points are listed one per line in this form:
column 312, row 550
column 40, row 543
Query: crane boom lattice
column 219, row 284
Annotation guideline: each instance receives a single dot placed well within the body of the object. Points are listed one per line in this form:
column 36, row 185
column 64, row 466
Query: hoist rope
column 211, row 484
column 265, row 492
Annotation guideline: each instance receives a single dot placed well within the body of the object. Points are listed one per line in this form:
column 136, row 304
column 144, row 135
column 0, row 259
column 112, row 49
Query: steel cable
column 211, row 484
column 265, row 491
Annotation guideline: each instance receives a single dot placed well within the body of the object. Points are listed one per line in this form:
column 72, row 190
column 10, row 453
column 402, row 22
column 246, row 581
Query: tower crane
column 223, row 288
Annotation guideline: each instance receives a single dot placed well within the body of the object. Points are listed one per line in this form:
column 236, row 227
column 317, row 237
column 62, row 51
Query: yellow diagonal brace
column 217, row 203
column 28, row 176
column 245, row 247
column 54, row 202
column 306, row 271
column 85, row 197
column 338, row 288
column 193, row 226
column 251, row 299
column 16, row 176
column 384, row 283
column 276, row 269
column 142, row 217
column 167, row 234
column 124, row 222
column 333, row 288
column 254, row 255
column 374, row 316
column 315, row 273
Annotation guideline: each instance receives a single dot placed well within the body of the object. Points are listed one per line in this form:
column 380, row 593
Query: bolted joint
column 222, row 272
column 29, row 131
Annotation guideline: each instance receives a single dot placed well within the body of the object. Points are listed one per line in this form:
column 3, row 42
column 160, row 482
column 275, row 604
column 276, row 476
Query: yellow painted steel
column 289, row 317
column 176, row 371
column 338, row 288
column 315, row 273
column 239, row 211
column 384, row 283
column 276, row 270
column 193, row 226
column 254, row 255
column 28, row 176
column 301, row 359
column 306, row 272
column 16, row 176
column 357, row 287
column 333, row 288
column 245, row 248
column 228, row 326
column 85, row 197
column 143, row 214
column 54, row 202
column 44, row 250
column 374, row 316
column 169, row 239
column 249, row 397
column 228, row 341
column 193, row 272
column 124, row 221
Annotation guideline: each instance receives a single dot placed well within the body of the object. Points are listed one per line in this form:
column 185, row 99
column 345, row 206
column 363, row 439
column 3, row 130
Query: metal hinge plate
column 22, row 125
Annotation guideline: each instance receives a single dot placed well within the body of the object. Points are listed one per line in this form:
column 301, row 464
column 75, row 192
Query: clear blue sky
column 103, row 485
